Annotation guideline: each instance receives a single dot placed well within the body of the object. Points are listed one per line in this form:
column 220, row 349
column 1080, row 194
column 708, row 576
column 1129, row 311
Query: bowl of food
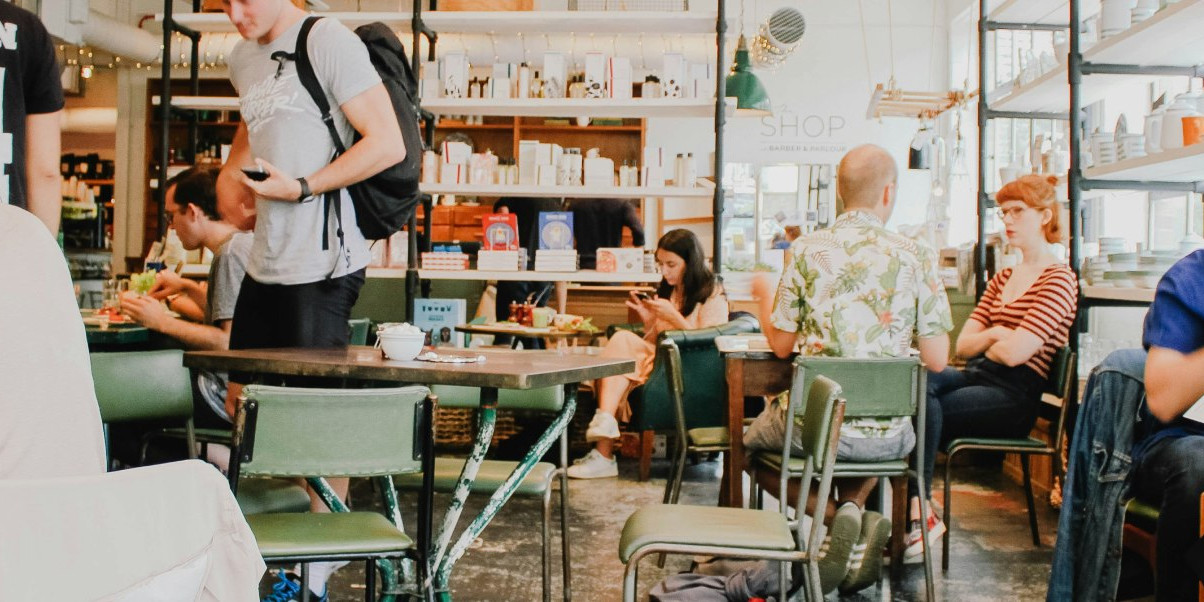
column 402, row 342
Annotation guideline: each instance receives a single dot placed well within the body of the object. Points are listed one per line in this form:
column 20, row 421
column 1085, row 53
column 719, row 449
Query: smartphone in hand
column 255, row 173
column 643, row 296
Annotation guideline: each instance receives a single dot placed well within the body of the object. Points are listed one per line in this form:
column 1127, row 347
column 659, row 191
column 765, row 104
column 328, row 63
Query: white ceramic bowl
column 403, row 347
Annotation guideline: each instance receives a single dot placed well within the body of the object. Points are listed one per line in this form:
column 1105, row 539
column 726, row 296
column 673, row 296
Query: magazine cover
column 438, row 318
column 500, row 232
column 555, row 230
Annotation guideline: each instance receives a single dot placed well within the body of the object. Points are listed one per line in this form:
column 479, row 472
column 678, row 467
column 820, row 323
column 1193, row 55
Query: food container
column 401, row 342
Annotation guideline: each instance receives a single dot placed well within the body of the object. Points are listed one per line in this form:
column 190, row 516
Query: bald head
column 863, row 176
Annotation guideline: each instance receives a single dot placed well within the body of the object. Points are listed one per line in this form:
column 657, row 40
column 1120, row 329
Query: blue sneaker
column 287, row 588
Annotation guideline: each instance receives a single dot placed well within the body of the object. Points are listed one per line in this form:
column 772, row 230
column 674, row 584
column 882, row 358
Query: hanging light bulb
column 86, row 71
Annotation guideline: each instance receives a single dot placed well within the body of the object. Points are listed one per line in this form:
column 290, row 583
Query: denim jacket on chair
column 1086, row 562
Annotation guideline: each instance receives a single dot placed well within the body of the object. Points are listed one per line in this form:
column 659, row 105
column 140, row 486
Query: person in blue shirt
column 1170, row 461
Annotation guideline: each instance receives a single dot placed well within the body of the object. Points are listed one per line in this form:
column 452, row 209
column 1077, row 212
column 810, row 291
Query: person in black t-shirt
column 599, row 223
column 33, row 97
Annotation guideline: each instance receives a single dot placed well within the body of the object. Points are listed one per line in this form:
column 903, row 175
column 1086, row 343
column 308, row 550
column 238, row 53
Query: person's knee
column 1186, row 454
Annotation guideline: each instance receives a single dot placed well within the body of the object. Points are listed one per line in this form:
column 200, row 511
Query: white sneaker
column 602, row 426
column 594, row 466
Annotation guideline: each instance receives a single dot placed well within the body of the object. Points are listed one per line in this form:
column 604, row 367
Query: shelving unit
column 520, row 275
column 575, row 107
column 1141, row 296
column 576, row 192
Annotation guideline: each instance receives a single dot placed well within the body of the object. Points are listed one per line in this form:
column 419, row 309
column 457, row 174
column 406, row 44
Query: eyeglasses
column 1011, row 212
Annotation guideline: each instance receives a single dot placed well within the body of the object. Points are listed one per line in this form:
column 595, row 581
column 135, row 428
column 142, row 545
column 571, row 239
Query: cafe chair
column 155, row 385
column 492, row 473
column 1061, row 375
column 877, row 388
column 700, row 384
column 165, row 532
column 750, row 533
column 365, row 433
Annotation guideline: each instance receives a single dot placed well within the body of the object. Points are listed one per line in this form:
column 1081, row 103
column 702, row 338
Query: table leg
column 448, row 558
column 731, row 491
column 389, row 583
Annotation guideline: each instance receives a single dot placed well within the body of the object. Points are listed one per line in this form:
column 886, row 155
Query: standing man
column 857, row 290
column 191, row 206
column 33, row 100
column 303, row 276
column 599, row 223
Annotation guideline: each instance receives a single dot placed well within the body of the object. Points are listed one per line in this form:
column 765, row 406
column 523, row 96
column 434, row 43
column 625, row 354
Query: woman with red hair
column 1023, row 318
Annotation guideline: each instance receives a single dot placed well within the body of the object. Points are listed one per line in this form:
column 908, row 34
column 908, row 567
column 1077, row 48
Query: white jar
column 1172, row 122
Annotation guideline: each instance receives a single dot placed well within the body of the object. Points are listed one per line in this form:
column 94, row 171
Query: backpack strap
column 309, row 80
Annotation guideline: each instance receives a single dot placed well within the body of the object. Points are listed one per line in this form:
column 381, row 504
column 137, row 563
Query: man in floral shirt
column 859, row 290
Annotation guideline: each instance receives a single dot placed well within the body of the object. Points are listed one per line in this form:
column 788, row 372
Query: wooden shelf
column 184, row 124
column 503, row 22
column 204, row 103
column 1176, row 165
column 1139, row 295
column 97, row 182
column 525, row 275
column 575, row 107
column 458, row 125
column 576, row 192
column 581, row 129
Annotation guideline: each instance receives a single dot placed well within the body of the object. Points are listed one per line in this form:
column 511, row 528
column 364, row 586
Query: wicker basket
column 456, row 428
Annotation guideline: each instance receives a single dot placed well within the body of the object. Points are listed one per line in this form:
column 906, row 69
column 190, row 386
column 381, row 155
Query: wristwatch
column 305, row 193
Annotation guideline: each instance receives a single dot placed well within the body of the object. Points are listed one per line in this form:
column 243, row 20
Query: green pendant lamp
column 751, row 98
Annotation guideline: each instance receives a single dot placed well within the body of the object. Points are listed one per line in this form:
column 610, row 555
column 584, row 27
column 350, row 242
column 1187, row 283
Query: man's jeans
column 1171, row 473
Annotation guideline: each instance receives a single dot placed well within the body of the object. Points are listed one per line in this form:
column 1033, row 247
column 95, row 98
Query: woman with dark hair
column 688, row 297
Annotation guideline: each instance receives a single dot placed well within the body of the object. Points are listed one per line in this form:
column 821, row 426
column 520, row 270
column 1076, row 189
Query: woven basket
column 456, row 428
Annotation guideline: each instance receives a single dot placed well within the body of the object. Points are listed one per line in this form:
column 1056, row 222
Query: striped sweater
column 1046, row 309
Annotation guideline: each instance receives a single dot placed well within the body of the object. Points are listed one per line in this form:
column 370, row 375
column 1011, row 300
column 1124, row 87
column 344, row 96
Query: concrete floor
column 993, row 556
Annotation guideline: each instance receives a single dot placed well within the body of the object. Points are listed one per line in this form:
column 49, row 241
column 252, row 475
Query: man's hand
column 167, row 283
column 144, row 310
column 278, row 187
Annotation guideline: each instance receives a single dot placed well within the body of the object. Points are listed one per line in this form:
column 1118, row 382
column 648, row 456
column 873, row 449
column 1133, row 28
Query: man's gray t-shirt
column 225, row 279
column 286, row 130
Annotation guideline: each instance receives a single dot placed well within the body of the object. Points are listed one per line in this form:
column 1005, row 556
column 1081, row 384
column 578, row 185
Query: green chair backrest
column 878, row 387
column 359, row 331
column 142, row 385
column 816, row 413
column 702, row 373
column 1060, row 369
column 547, row 399
column 295, row 432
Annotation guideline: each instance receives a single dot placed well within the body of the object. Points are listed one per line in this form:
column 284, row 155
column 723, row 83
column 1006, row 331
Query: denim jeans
column 958, row 407
column 1171, row 474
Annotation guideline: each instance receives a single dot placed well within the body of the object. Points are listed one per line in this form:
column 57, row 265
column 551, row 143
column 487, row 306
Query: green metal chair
column 1061, row 376
column 493, row 473
column 750, row 533
column 877, row 388
column 700, row 384
column 155, row 385
column 365, row 433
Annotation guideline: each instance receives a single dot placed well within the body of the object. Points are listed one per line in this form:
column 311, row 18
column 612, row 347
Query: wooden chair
column 750, row 533
column 1061, row 375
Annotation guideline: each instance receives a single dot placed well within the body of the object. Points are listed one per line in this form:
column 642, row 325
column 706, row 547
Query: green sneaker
column 834, row 554
column 865, row 564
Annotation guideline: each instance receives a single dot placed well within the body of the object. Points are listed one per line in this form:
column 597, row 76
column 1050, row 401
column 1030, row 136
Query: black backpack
column 386, row 201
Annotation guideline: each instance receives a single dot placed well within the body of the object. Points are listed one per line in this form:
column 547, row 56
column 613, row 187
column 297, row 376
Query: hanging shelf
column 894, row 102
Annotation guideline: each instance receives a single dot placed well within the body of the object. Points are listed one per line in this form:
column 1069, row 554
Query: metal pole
column 164, row 116
column 720, row 120
column 1075, row 175
column 980, row 250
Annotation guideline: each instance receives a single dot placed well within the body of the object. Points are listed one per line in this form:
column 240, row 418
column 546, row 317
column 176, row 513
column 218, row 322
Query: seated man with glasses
column 191, row 206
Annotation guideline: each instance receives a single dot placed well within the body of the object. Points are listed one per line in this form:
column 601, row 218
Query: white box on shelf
column 399, row 250
column 674, row 76
column 555, row 74
column 453, row 173
column 456, row 152
column 499, row 87
column 620, row 259
column 618, row 77
column 454, row 75
column 599, row 171
column 595, row 75
column 430, row 86
column 654, row 166
column 545, row 175
column 523, row 89
column 526, row 161
column 501, row 261
column 702, row 80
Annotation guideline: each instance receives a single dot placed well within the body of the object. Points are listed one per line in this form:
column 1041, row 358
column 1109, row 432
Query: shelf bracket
column 1124, row 69
column 1088, row 184
column 997, row 25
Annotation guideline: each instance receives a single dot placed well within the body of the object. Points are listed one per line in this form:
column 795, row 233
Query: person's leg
column 939, row 383
column 610, row 392
column 1172, row 473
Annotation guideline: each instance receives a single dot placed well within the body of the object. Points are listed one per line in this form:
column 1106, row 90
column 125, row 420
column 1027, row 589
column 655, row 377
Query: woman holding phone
column 688, row 297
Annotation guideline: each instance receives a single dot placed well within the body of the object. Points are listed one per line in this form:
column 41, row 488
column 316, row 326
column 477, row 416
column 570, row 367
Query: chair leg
column 646, row 439
column 369, row 581
column 673, row 485
column 928, row 578
column 545, row 534
column 305, row 582
column 784, row 580
column 948, row 509
column 564, row 518
column 631, row 578
column 898, row 524
column 1028, row 494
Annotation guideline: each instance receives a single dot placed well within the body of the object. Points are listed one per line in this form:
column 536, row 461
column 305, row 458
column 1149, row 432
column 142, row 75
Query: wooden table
column 524, row 331
column 502, row 369
column 752, row 370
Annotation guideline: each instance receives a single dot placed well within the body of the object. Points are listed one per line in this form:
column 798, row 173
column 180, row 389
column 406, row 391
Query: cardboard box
column 556, row 230
column 399, row 250
column 599, row 171
column 498, row 261
column 621, row 259
column 654, row 166
column 555, row 75
column 702, row 80
column 454, row 75
column 500, row 232
column 526, row 161
column 618, row 77
column 438, row 318
column 674, row 76
column 595, row 75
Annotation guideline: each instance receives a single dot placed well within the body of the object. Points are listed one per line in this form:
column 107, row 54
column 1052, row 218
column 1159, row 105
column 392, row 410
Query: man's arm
column 235, row 201
column 934, row 352
column 1173, row 381
column 381, row 145
column 150, row 313
column 42, row 179
column 631, row 219
column 780, row 341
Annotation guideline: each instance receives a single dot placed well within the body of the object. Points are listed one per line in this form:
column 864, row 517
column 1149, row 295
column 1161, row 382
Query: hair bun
column 1052, row 179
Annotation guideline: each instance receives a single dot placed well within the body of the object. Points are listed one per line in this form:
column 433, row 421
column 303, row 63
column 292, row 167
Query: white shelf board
column 502, row 22
column 575, row 192
column 1142, row 295
column 525, row 275
column 1173, row 36
column 209, row 103
column 1048, row 12
column 1176, row 165
column 575, row 107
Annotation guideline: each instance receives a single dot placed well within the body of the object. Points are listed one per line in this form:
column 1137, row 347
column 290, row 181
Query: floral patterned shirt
column 859, row 290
